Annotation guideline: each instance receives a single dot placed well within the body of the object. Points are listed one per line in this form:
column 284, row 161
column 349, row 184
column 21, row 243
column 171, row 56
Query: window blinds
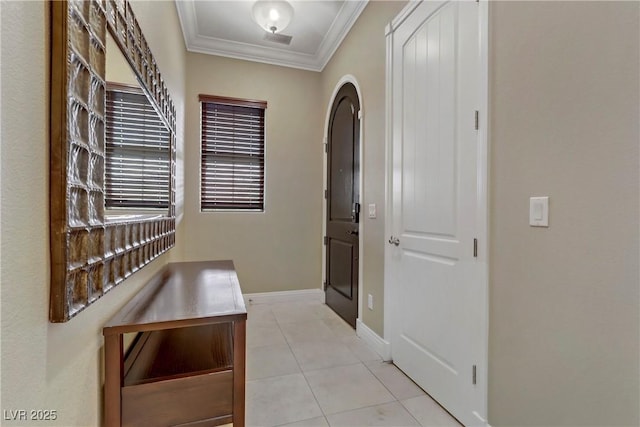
column 232, row 171
column 137, row 164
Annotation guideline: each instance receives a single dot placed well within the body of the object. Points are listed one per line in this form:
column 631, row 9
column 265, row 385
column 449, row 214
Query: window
column 232, row 170
column 137, row 160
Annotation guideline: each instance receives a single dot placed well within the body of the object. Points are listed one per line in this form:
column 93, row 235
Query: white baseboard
column 378, row 344
column 310, row 295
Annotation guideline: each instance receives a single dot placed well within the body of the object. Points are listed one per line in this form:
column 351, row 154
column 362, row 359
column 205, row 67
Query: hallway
column 306, row 367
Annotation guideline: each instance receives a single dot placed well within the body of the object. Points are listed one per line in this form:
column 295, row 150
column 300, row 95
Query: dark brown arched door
column 343, row 204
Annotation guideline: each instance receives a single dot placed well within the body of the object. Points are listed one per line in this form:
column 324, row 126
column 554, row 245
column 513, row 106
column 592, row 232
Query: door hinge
column 473, row 375
column 326, row 240
column 326, row 193
column 475, row 248
column 477, row 120
column 326, row 147
column 359, row 114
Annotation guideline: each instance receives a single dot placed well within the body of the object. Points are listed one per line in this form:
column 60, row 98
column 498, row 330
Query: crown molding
column 339, row 29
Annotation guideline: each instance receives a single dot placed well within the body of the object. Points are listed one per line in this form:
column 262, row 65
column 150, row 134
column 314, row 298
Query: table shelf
column 179, row 352
column 187, row 363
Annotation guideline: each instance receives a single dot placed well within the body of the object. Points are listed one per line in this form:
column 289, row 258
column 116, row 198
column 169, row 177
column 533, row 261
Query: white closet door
column 432, row 269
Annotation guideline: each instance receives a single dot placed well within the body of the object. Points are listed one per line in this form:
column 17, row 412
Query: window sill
column 247, row 211
column 111, row 218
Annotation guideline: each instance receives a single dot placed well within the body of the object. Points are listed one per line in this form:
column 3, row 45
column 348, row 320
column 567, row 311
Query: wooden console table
column 186, row 365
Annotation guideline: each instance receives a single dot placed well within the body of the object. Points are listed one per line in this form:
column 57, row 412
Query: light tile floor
column 307, row 367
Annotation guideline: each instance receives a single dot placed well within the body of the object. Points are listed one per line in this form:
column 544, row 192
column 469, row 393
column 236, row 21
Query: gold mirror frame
column 90, row 255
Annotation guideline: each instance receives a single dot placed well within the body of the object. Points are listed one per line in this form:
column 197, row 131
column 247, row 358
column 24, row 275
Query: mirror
column 137, row 145
column 98, row 235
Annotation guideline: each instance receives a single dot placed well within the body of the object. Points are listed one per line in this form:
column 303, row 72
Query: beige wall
column 362, row 54
column 44, row 365
column 564, row 323
column 279, row 249
column 564, row 320
column 117, row 69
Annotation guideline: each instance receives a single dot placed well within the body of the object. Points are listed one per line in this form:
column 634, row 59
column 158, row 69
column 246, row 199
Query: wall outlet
column 370, row 302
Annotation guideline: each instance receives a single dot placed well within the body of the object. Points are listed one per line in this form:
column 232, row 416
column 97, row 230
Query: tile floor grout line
column 306, row 419
column 348, row 410
column 391, row 393
column 437, row 403
column 303, row 375
column 401, row 372
column 338, row 339
column 297, row 363
column 380, row 404
column 380, row 381
column 307, row 381
column 286, row 341
column 409, row 412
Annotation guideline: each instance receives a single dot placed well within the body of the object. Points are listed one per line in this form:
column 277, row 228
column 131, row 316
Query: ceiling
column 226, row 28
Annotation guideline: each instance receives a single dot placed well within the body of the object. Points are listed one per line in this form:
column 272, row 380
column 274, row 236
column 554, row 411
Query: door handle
column 352, row 232
column 355, row 212
column 394, row 241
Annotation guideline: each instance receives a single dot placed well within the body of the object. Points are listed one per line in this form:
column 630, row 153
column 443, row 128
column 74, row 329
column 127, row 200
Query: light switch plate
column 539, row 211
column 372, row 210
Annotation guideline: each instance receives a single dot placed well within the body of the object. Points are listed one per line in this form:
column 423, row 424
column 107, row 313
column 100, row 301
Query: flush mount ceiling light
column 272, row 15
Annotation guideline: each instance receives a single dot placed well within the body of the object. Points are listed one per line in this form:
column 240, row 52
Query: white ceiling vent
column 278, row 38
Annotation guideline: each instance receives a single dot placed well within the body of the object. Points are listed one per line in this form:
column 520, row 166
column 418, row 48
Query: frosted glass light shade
column 272, row 15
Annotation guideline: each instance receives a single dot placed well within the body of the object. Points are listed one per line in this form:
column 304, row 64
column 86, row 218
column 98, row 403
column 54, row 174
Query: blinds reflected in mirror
column 137, row 163
column 232, row 170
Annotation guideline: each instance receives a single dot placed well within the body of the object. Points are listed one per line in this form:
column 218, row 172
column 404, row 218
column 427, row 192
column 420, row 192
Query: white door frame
column 483, row 188
column 347, row 78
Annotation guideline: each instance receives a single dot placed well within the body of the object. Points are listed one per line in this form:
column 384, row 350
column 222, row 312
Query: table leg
column 239, row 341
column 113, row 379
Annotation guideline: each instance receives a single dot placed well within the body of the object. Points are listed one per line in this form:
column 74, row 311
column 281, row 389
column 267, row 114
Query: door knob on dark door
column 394, row 241
column 352, row 232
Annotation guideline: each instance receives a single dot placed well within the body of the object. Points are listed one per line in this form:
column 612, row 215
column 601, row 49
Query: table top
column 183, row 294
